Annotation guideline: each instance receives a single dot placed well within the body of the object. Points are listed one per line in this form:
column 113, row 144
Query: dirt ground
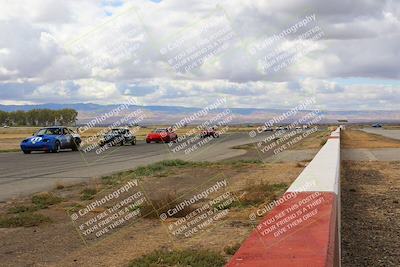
column 370, row 195
column 57, row 243
column 370, row 213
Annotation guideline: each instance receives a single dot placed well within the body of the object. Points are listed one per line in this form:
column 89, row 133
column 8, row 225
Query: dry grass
column 391, row 127
column 18, row 131
column 360, row 139
column 59, row 185
column 314, row 141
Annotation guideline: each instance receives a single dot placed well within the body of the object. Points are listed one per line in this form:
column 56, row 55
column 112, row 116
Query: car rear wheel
column 133, row 141
column 26, row 151
column 56, row 147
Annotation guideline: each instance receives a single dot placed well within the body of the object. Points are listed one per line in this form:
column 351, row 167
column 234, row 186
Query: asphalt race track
column 21, row 175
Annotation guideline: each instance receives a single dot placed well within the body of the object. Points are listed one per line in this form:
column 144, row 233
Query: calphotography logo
column 113, row 211
column 200, row 43
column 277, row 52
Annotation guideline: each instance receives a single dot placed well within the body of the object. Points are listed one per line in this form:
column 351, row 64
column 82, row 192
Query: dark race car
column 118, row 136
column 162, row 135
column 51, row 139
column 209, row 132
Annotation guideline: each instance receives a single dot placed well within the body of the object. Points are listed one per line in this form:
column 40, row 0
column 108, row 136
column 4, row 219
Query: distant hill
column 172, row 114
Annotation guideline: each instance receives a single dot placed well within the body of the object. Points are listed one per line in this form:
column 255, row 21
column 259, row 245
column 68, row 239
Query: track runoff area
column 302, row 227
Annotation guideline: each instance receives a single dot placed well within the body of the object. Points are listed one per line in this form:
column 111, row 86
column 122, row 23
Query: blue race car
column 51, row 139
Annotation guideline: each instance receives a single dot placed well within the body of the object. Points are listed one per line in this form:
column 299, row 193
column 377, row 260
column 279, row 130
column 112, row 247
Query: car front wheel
column 56, row 147
column 76, row 144
column 133, row 141
column 26, row 151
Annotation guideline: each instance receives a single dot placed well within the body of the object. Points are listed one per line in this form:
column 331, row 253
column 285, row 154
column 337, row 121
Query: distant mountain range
column 172, row 114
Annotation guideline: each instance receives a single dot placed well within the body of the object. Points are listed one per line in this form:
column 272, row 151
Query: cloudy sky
column 256, row 53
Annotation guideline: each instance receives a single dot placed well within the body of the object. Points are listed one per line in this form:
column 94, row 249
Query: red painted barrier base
column 300, row 232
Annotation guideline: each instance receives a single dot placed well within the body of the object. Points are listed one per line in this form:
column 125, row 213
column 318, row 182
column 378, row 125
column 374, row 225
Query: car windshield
column 49, row 131
column 113, row 132
column 160, row 131
column 116, row 132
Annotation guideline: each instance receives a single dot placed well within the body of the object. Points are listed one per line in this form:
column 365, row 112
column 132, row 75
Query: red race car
column 209, row 132
column 163, row 135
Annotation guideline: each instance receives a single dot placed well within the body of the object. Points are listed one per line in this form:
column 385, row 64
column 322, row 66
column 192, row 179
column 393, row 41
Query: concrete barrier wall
column 302, row 229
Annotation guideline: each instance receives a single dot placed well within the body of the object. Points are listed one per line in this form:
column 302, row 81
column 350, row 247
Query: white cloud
column 360, row 40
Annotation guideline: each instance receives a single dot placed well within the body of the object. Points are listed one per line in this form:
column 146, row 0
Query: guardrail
column 303, row 226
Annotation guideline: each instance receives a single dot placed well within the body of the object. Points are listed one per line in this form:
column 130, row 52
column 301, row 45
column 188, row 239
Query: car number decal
column 36, row 139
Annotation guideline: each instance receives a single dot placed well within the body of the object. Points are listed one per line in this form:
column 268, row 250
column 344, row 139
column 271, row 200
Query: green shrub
column 256, row 194
column 25, row 219
column 231, row 250
column 160, row 166
column 44, row 200
column 111, row 179
column 21, row 209
column 180, row 258
column 162, row 204
column 88, row 193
